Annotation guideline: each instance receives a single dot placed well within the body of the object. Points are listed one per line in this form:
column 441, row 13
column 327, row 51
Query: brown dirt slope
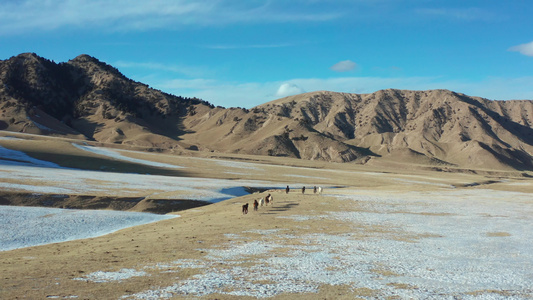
column 85, row 98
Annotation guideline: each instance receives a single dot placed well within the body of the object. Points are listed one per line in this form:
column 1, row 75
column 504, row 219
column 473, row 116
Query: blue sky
column 245, row 53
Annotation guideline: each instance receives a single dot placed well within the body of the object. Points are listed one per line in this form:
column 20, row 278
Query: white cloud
column 525, row 49
column 344, row 66
column 137, row 15
column 289, row 89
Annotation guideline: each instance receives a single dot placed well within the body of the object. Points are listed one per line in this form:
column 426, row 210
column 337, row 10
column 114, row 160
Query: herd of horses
column 270, row 200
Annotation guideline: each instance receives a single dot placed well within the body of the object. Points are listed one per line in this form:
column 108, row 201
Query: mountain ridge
column 87, row 99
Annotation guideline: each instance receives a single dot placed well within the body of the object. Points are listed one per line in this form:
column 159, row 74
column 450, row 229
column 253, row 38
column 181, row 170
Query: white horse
column 261, row 201
column 319, row 190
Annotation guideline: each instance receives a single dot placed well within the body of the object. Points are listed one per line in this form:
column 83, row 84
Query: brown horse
column 256, row 205
column 245, row 209
column 270, row 199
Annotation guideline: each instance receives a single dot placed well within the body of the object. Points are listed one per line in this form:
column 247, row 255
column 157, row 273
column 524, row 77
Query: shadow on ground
column 285, row 207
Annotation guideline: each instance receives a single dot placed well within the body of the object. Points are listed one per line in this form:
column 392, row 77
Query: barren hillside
column 85, row 98
column 436, row 126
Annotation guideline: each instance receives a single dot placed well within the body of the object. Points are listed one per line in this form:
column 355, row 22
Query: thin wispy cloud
column 525, row 49
column 178, row 69
column 123, row 15
column 251, row 46
column 35, row 15
column 463, row 14
column 191, row 84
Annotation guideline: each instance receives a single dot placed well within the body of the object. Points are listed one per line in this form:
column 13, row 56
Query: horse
column 261, row 201
column 270, row 199
column 303, row 190
column 245, row 209
column 320, row 190
column 287, row 190
column 256, row 205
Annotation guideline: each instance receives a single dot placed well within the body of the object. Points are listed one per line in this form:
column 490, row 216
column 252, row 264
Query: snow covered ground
column 20, row 172
column 81, row 182
column 17, row 158
column 28, row 226
column 447, row 245
column 454, row 243
column 31, row 226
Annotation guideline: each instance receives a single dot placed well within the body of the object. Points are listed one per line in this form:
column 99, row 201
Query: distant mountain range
column 87, row 99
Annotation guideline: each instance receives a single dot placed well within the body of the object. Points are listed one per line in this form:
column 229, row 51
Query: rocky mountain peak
column 90, row 65
column 85, row 58
column 28, row 56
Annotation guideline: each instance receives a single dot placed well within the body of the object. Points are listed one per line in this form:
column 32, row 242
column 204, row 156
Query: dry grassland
column 155, row 255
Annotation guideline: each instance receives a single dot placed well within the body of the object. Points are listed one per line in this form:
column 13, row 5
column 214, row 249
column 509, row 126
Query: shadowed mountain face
column 88, row 99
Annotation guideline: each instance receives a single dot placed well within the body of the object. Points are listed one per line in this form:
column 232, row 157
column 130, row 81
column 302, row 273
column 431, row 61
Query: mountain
column 439, row 127
column 87, row 99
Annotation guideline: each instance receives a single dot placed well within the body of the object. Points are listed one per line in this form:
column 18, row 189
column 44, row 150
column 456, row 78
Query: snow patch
column 10, row 138
column 41, row 126
column 121, row 275
column 82, row 182
column 116, row 155
column 238, row 164
column 31, row 226
column 18, row 158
